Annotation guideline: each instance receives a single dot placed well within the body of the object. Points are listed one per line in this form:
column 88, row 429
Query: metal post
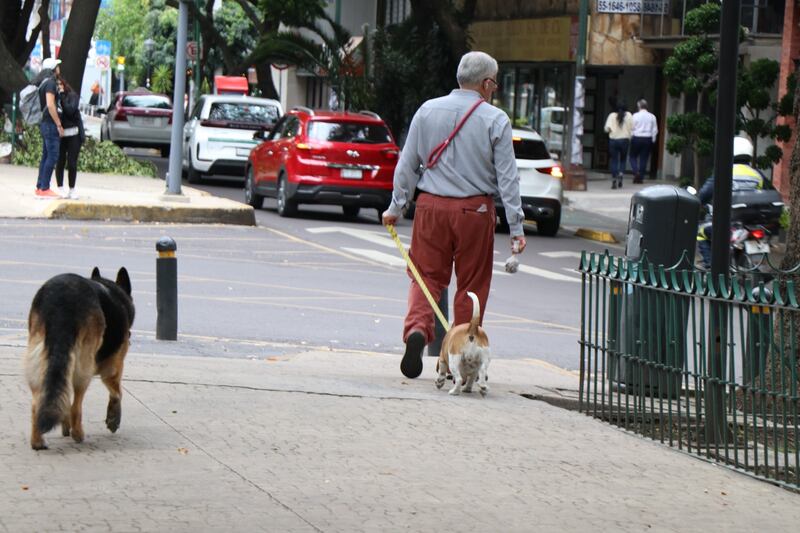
column 438, row 330
column 176, row 142
column 716, row 427
column 198, row 79
column 166, row 290
column 574, row 152
column 13, row 121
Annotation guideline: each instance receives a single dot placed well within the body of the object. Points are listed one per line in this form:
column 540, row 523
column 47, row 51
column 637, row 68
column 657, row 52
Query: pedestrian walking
column 645, row 131
column 72, row 139
column 94, row 99
column 50, row 127
column 457, row 157
column 619, row 126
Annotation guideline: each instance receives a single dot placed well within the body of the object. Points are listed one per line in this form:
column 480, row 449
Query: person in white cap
column 50, row 127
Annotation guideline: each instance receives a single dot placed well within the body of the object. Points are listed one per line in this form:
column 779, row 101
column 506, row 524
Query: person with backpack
column 50, row 126
column 71, row 140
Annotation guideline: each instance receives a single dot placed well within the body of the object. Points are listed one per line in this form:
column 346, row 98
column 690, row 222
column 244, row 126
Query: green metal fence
column 708, row 367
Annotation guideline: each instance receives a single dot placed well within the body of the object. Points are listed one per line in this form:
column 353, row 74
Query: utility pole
column 176, row 141
column 716, row 425
column 574, row 149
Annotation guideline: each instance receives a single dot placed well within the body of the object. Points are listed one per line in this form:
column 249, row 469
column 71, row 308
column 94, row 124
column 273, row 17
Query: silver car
column 139, row 119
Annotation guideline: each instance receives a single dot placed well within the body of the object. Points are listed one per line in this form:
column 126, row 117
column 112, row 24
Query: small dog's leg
column 440, row 379
column 468, row 385
column 455, row 368
column 483, row 378
column 37, row 440
column 65, row 426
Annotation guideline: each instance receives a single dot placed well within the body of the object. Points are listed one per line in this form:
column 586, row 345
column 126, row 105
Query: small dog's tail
column 476, row 316
column 51, row 356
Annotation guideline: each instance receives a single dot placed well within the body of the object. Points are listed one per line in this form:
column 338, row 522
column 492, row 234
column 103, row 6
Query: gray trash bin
column 647, row 333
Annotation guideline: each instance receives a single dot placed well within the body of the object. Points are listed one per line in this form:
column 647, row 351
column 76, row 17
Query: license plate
column 244, row 152
column 755, row 247
column 351, row 173
column 147, row 121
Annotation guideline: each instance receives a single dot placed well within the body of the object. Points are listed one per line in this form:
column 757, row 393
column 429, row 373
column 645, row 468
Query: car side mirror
column 261, row 134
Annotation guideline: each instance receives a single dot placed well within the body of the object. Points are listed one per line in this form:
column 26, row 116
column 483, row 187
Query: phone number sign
column 647, row 7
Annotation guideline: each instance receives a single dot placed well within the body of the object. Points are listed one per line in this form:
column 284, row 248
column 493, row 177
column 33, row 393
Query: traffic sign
column 102, row 48
column 103, row 62
column 191, row 50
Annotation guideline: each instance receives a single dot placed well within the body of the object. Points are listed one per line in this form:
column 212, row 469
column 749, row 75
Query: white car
column 540, row 182
column 221, row 131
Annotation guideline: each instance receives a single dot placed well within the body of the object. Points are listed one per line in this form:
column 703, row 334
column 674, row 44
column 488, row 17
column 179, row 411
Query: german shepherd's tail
column 475, row 321
column 51, row 360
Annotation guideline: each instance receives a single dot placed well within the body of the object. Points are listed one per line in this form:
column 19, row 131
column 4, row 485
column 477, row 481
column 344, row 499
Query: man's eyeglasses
column 496, row 85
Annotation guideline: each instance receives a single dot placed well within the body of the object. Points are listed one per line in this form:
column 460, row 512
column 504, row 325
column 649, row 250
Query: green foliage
column 95, row 156
column 785, row 219
column 161, row 82
column 703, row 20
column 690, row 130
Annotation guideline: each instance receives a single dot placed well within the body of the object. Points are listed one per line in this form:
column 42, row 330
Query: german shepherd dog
column 77, row 328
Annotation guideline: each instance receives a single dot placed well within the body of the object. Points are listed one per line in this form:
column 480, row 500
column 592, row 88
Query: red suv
column 323, row 157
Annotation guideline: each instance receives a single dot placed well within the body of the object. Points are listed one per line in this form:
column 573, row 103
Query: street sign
column 191, row 50
column 102, row 48
column 103, row 62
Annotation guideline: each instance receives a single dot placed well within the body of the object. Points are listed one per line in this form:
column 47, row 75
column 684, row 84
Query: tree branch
column 250, row 11
column 210, row 33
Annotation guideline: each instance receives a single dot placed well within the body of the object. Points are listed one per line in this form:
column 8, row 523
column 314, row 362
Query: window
column 240, row 112
column 349, row 132
column 151, row 101
column 530, row 149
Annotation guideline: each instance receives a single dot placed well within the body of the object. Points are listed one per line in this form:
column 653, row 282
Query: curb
column 596, row 235
column 242, row 216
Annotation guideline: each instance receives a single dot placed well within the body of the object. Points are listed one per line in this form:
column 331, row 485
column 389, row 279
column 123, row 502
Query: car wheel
column 351, row 211
column 192, row 175
column 251, row 197
column 165, row 153
column 286, row 207
column 549, row 227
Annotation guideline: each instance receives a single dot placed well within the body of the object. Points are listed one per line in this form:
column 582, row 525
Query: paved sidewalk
column 111, row 197
column 339, row 441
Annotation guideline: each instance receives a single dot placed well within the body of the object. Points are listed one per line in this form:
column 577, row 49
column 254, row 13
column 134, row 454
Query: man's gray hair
column 475, row 67
column 642, row 104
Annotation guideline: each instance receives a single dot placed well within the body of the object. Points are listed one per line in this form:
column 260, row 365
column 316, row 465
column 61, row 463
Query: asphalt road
column 318, row 280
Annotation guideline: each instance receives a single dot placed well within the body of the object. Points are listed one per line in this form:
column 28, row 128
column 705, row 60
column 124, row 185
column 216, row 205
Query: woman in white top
column 619, row 126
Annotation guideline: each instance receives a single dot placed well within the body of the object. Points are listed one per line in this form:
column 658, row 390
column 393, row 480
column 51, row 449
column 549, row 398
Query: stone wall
column 612, row 41
column 524, row 9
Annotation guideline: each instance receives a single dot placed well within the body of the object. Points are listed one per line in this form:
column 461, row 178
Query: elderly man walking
column 645, row 132
column 458, row 156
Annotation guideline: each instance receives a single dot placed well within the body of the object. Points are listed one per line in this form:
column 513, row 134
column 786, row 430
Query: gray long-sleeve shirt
column 479, row 160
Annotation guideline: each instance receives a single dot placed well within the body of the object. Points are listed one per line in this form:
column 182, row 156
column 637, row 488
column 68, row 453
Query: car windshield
column 241, row 112
column 557, row 117
column 530, row 149
column 153, row 101
column 349, row 132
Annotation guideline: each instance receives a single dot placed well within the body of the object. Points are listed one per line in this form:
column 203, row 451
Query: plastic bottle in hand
column 512, row 263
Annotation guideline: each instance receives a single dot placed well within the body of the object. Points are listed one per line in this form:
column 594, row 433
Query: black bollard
column 166, row 290
column 438, row 329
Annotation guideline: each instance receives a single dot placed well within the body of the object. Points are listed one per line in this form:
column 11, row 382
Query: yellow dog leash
column 417, row 277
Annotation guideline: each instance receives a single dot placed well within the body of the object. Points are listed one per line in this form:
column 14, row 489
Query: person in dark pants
column 50, row 127
column 645, row 131
column 619, row 125
column 71, row 141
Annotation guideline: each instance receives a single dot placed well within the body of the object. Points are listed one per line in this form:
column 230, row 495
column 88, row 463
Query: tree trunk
column 12, row 78
column 695, row 155
column 78, row 40
column 265, row 85
column 44, row 16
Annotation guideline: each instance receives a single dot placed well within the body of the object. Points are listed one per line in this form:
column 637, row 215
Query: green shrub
column 99, row 157
column 785, row 220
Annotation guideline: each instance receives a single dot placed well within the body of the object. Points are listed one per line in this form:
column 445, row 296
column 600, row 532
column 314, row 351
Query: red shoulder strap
column 434, row 156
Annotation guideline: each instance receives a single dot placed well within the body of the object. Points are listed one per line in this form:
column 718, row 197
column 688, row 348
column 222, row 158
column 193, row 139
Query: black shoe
column 411, row 365
column 614, row 183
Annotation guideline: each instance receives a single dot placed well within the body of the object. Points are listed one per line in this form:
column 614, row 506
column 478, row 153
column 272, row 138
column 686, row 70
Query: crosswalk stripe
column 375, row 255
column 560, row 255
column 369, row 236
column 555, row 276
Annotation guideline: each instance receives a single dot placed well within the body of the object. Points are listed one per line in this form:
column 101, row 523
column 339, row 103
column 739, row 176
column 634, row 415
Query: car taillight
column 391, row 154
column 757, row 233
column 555, row 171
column 122, row 114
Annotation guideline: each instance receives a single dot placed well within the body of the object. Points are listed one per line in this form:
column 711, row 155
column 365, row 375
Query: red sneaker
column 46, row 193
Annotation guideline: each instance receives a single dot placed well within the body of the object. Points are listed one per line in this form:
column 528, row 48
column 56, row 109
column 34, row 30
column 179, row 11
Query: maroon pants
column 450, row 231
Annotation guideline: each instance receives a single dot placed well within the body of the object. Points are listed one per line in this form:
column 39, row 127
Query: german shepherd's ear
column 96, row 274
column 124, row 281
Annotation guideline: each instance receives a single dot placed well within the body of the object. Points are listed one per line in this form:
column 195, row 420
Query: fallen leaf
column 183, row 451
column 25, row 487
column 724, row 493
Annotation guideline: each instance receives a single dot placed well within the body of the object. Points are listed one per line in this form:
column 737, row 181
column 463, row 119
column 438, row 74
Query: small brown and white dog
column 465, row 354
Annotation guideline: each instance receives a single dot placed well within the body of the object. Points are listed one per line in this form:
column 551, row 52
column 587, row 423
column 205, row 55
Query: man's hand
column 388, row 219
column 518, row 242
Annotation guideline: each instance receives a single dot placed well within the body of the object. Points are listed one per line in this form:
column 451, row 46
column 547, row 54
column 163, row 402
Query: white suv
column 221, row 131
